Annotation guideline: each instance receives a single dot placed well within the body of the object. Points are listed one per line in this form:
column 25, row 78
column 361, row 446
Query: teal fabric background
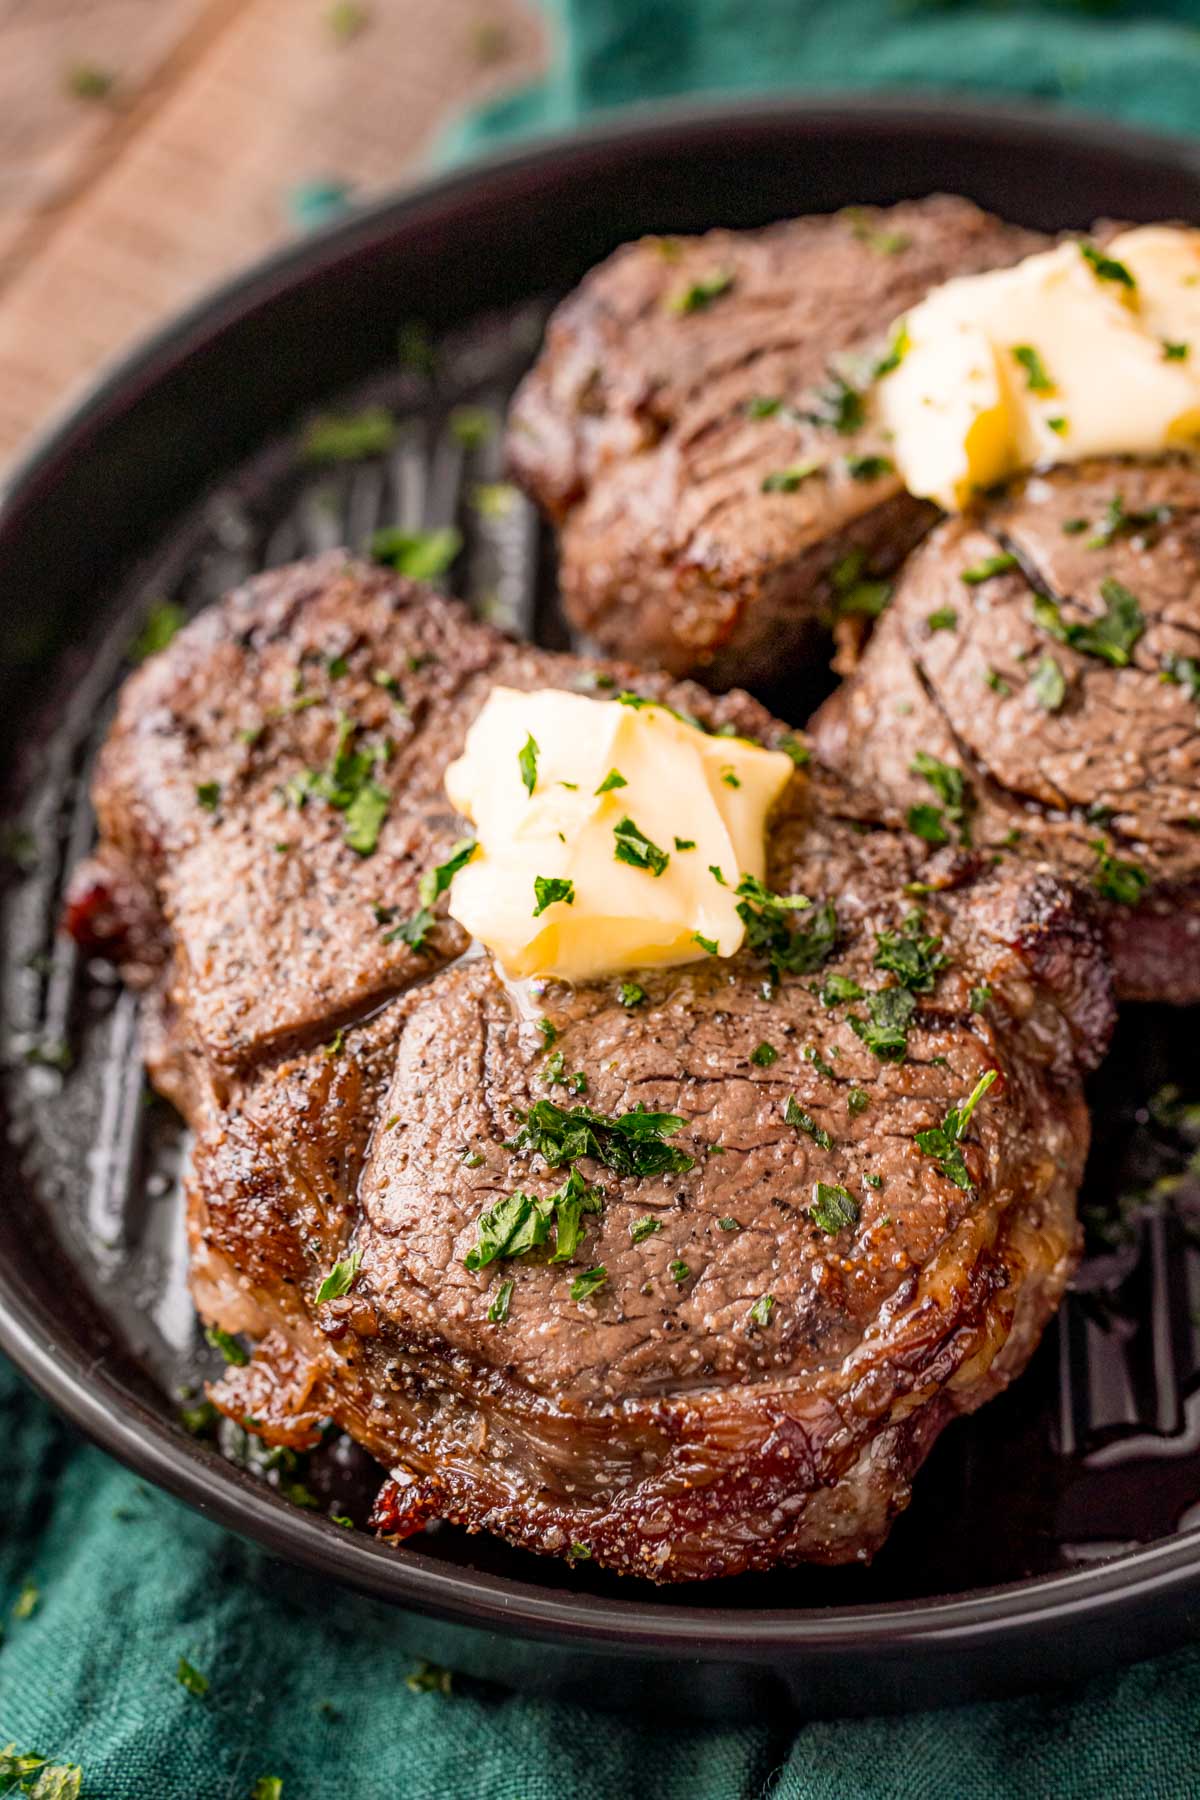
column 307, row 1683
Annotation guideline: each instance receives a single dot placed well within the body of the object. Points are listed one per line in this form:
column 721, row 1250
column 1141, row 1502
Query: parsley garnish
column 701, row 293
column 630, row 1143
column 1058, row 426
column 230, row 1349
column 709, row 945
column 787, row 949
column 837, row 988
column 1049, row 684
column 433, row 883
column 944, row 619
column 1175, row 352
column 191, row 1678
column 163, row 620
column 979, row 997
column 764, row 1056
column 1119, row 522
column 555, row 1075
column 925, row 822
column 1106, row 268
column 794, row 1114
column 786, row 481
column 527, row 757
column 1184, row 671
column 987, row 567
column 208, row 793
column 791, row 746
column 339, row 1279
column 869, row 468
column 996, row 682
column 762, row 406
column 497, row 1312
column 1037, row 379
column 349, row 785
column 636, row 849
column 521, row 1222
column 760, row 1312
column 839, row 405
column 852, row 595
column 1111, row 637
column 428, row 1678
column 632, row 993
column 942, row 1141
column 589, row 1283
column 347, row 437
column 641, row 1229
column 885, row 1032
column 685, row 843
column 548, row 890
column 832, row 1208
column 731, row 778
column 678, row 1271
column 421, row 555
column 1118, row 880
column 913, row 958
column 895, row 353
column 949, row 784
column 614, row 779
column 857, row 1101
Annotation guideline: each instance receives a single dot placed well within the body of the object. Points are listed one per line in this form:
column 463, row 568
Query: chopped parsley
column 641, row 1229
column 527, row 757
column 349, row 785
column 1110, row 637
column 549, row 890
column 852, row 596
column 794, row 1114
column 885, row 1031
column 942, row 1141
column 717, row 876
column 1037, row 378
column 614, row 779
column 839, row 405
column 631, row 1143
column 555, row 1075
column 944, row 619
column 678, row 1271
column 1119, row 521
column 996, row 681
column 837, row 988
column 788, row 949
column 832, row 1208
column 728, row 1224
column 1048, row 684
column 875, row 1181
column 786, row 481
column 520, row 1222
column 709, row 945
column 589, row 1283
column 762, row 406
column 912, row 956
column 760, row 1312
column 433, row 883
column 347, row 437
column 421, row 555
column 987, row 567
column 764, row 1056
column 636, row 849
column 700, row 294
column 208, row 793
column 869, row 468
column 949, row 784
column 233, row 1352
column 857, row 1101
column 340, row 1278
column 549, row 1031
column 730, row 777
column 632, row 993
column 1106, row 268
column 162, row 622
column 1118, row 880
column 497, row 1312
column 1059, row 426
column 270, row 1787
column 685, row 843
column 1175, row 352
column 979, row 997
column 895, row 353
column 791, row 746
column 1184, row 671
column 191, row 1678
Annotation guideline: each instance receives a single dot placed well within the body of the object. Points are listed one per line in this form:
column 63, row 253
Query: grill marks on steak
column 632, row 430
column 656, row 1425
column 1117, row 763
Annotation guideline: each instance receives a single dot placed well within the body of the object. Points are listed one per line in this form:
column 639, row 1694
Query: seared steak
column 684, row 390
column 800, row 1285
column 1061, row 685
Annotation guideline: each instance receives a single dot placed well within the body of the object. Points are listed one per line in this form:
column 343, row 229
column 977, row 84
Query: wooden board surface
column 150, row 147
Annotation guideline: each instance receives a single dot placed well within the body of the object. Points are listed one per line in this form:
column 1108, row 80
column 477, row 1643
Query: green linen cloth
column 105, row 1584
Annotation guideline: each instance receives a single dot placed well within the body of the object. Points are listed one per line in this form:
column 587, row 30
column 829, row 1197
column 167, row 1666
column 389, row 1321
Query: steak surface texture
column 750, row 1349
column 691, row 426
column 1083, row 754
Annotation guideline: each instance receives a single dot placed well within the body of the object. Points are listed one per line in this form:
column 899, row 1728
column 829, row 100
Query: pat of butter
column 712, row 792
column 1051, row 361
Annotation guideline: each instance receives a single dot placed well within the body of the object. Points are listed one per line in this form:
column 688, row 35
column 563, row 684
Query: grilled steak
column 800, row 1286
column 1061, row 685
column 684, row 391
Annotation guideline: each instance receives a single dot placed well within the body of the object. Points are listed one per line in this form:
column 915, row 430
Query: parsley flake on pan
column 942, row 1141
column 421, row 555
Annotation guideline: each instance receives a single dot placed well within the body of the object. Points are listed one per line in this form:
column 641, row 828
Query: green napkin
column 106, row 1584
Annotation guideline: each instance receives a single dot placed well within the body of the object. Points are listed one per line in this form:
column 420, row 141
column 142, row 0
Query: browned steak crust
column 1068, row 759
column 657, row 1425
column 641, row 428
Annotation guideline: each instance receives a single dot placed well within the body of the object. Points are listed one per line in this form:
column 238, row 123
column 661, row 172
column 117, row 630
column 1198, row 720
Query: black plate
column 1051, row 1533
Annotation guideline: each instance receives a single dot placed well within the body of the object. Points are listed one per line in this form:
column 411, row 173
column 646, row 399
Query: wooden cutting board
column 148, row 148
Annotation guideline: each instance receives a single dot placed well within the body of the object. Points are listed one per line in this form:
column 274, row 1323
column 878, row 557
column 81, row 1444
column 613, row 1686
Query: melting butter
column 1072, row 353
column 627, row 895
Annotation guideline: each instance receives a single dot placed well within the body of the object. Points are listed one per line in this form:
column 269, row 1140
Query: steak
column 741, row 1347
column 1047, row 653
column 684, row 390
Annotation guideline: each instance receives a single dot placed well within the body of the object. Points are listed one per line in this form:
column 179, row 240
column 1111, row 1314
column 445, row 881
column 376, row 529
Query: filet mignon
column 812, row 1265
column 1046, row 653
column 685, row 390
